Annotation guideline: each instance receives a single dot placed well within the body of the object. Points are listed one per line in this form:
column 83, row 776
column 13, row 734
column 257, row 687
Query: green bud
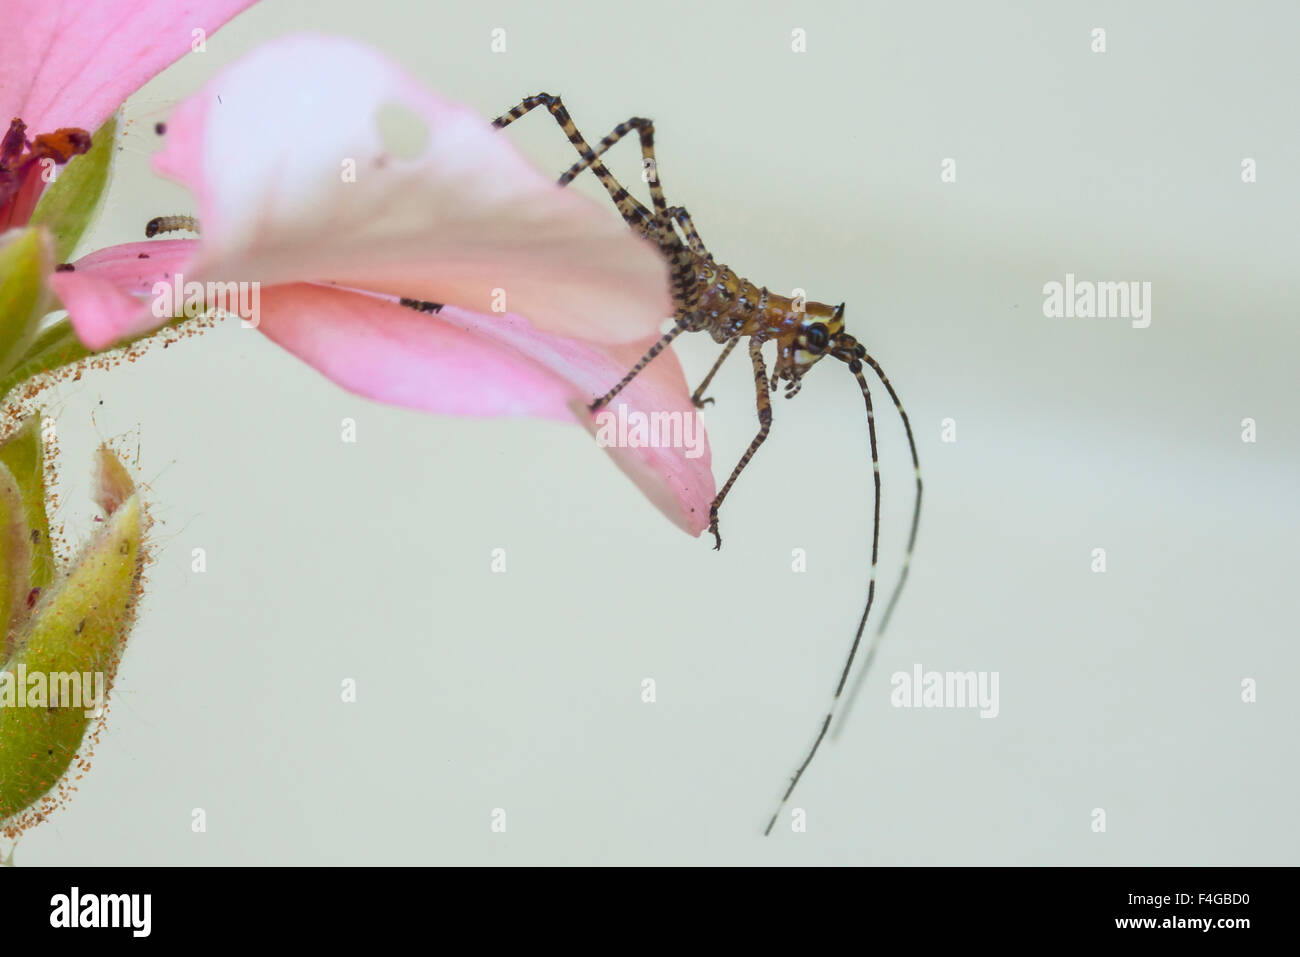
column 78, row 627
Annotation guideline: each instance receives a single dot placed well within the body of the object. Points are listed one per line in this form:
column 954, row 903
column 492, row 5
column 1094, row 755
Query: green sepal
column 25, row 262
column 15, row 562
column 69, row 205
column 23, row 454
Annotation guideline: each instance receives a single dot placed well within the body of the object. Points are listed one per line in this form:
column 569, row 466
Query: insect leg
column 874, row 645
column 663, row 343
column 632, row 211
column 856, row 367
column 646, row 132
column 679, row 215
column 697, row 398
column 764, row 426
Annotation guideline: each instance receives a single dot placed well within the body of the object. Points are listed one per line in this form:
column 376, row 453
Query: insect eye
column 816, row 338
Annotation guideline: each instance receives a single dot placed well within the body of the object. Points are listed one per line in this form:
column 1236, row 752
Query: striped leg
column 641, row 363
column 764, row 426
column 697, row 398
column 633, row 212
column 636, row 215
column 679, row 215
column 646, row 132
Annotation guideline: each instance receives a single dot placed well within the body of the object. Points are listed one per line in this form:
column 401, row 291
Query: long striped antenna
column 855, row 366
column 874, row 644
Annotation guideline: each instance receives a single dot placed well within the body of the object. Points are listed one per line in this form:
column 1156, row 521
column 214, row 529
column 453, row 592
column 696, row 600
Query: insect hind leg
column 679, row 215
column 645, row 130
column 632, row 211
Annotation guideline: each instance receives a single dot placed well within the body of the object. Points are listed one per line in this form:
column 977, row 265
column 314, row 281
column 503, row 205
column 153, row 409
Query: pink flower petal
column 461, row 363
column 453, row 362
column 461, row 222
column 108, row 293
column 137, row 267
column 100, row 312
column 677, row 479
column 385, row 351
column 72, row 63
column 268, row 147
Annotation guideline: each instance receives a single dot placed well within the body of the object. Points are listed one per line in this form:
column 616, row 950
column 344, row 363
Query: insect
column 170, row 224
column 713, row 298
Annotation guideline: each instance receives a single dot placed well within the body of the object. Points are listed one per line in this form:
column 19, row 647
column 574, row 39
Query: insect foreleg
column 764, row 426
column 697, row 398
column 663, row 343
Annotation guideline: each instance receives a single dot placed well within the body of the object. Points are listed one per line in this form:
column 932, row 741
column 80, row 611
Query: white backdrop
column 522, row 691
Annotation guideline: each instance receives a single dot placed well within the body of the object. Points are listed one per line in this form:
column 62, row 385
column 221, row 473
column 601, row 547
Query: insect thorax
column 728, row 305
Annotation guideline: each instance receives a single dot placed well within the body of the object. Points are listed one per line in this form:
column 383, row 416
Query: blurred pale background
column 818, row 170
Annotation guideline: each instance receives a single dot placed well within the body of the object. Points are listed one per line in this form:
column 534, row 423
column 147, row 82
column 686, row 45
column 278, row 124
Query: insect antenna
column 847, row 351
column 874, row 645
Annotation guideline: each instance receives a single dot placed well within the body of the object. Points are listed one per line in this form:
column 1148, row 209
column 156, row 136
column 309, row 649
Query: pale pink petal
column 384, row 351
column 268, row 146
column 461, row 363
column 108, row 294
column 136, row 267
column 677, row 479
column 100, row 311
column 73, row 62
column 453, row 362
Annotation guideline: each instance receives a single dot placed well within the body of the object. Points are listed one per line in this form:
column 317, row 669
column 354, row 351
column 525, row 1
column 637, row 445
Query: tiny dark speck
column 160, row 128
column 65, row 267
column 142, row 256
